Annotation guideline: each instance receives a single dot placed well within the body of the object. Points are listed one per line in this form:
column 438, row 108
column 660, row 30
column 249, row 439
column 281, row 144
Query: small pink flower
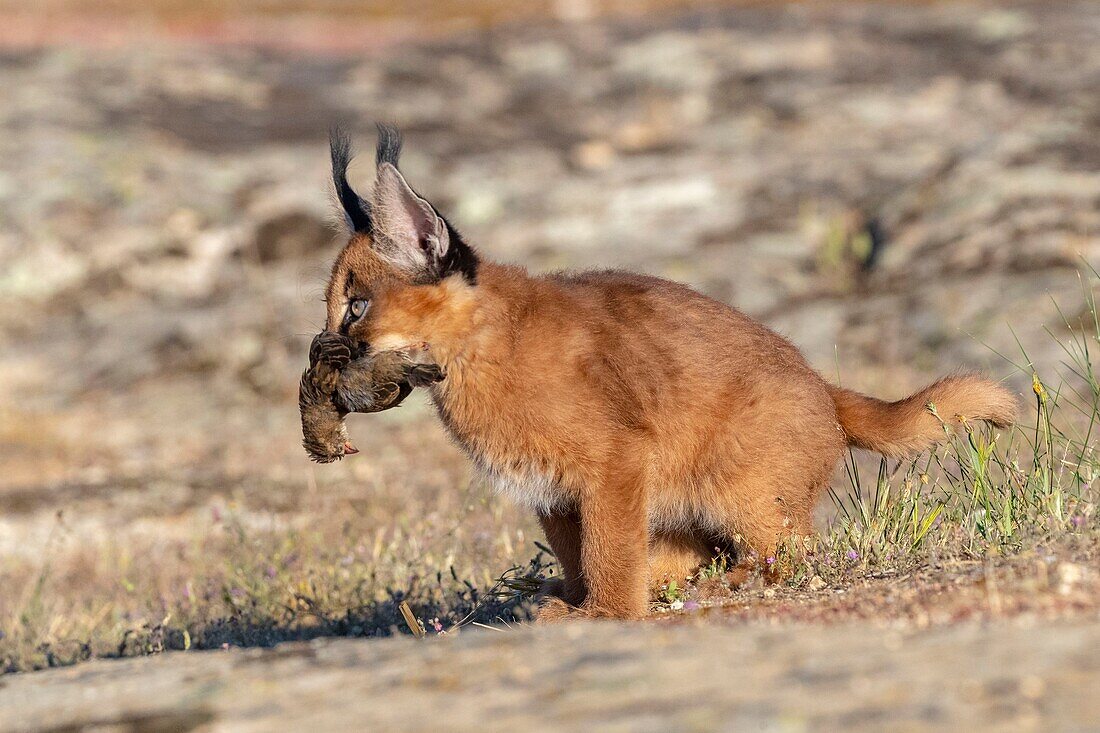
column 770, row 560
column 853, row 555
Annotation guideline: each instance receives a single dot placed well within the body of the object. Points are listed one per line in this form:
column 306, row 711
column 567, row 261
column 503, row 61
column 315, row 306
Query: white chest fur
column 531, row 489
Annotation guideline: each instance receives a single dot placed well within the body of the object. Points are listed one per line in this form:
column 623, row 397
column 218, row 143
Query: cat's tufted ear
column 407, row 230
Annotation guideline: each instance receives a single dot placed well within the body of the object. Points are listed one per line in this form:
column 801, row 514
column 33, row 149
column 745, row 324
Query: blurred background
column 903, row 189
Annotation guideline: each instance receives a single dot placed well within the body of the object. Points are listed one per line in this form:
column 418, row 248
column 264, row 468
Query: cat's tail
column 916, row 423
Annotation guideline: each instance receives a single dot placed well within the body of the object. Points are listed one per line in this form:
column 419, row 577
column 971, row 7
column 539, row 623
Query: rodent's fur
column 340, row 381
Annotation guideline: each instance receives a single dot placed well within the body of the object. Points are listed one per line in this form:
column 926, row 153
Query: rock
column 290, row 236
column 579, row 676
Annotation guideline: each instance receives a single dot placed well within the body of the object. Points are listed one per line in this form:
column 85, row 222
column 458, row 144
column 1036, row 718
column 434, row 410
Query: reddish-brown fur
column 641, row 420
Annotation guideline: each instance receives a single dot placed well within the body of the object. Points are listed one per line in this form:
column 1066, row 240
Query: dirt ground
column 903, row 190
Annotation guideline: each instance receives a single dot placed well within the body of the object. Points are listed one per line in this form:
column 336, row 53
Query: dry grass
column 986, row 500
column 237, row 582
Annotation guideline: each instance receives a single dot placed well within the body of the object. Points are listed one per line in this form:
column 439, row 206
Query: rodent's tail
column 909, row 426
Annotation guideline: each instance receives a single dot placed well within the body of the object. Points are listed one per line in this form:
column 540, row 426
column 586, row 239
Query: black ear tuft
column 389, row 145
column 355, row 208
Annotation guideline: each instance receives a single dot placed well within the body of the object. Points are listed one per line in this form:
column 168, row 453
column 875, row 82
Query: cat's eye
column 357, row 308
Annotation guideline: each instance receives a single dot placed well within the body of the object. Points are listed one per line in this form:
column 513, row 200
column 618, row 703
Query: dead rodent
column 343, row 378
